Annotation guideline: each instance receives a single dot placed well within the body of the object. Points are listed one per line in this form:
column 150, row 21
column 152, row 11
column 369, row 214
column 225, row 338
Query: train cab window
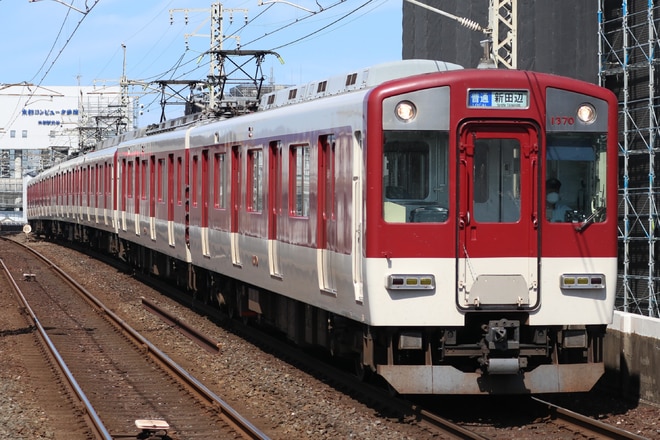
column 496, row 180
column 575, row 188
column 415, row 171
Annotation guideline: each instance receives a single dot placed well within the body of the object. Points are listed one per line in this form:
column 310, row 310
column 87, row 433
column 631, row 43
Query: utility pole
column 124, row 100
column 101, row 116
column 216, row 70
column 500, row 45
column 503, row 21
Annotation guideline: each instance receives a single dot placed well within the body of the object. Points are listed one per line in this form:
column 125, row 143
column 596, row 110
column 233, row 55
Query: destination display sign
column 515, row 99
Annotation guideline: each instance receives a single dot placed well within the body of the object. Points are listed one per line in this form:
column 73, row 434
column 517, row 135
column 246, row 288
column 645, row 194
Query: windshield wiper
column 589, row 220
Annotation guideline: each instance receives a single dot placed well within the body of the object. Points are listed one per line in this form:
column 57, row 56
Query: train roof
column 352, row 81
column 334, row 85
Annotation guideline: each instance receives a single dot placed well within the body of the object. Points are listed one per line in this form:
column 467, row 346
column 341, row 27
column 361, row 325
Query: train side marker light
column 582, row 281
column 410, row 282
column 586, row 113
column 406, row 111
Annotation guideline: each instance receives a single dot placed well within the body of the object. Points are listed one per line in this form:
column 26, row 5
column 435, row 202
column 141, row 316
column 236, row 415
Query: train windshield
column 575, row 187
column 415, row 171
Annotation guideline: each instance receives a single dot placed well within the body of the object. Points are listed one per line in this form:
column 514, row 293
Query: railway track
column 581, row 424
column 125, row 383
column 547, row 414
column 549, row 420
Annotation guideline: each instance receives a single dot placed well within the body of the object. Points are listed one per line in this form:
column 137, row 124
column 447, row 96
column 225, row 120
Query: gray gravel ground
column 281, row 400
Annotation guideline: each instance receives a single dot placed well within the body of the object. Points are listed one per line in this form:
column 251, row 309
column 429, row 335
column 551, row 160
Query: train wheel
column 231, row 310
column 391, row 390
column 361, row 371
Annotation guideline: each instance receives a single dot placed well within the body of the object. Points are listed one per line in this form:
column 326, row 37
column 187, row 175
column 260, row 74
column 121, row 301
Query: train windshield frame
column 575, row 189
column 415, row 174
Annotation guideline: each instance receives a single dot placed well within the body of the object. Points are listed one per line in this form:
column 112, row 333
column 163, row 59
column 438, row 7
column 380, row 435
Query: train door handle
column 464, row 220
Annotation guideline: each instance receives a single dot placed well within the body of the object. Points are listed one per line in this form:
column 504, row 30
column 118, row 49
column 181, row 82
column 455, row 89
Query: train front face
column 490, row 236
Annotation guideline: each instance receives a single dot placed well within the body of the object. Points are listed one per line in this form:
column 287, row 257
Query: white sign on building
column 41, row 125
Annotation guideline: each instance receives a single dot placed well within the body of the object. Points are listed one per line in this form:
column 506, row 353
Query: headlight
column 586, row 113
column 405, row 111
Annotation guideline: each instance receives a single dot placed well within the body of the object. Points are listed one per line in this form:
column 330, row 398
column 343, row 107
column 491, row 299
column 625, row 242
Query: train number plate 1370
column 515, row 99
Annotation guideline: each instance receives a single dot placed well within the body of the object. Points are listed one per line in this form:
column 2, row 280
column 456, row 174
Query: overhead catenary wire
column 33, row 90
column 188, row 62
column 172, row 71
column 68, row 40
column 275, row 31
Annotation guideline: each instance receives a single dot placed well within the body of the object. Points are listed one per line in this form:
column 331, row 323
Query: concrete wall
column 632, row 357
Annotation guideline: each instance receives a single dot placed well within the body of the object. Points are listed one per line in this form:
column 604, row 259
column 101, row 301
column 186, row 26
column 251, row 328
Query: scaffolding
column 628, row 48
column 104, row 113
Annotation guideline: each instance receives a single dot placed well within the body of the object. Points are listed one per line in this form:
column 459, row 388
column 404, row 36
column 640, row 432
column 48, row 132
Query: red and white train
column 398, row 215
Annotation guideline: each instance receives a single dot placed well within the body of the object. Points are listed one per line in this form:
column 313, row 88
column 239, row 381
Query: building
column 41, row 125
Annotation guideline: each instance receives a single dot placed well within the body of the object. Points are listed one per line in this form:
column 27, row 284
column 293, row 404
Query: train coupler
column 505, row 365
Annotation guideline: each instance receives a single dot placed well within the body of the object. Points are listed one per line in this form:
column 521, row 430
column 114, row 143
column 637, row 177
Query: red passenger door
column 274, row 206
column 235, row 203
column 498, row 215
column 204, row 204
column 327, row 218
column 170, row 199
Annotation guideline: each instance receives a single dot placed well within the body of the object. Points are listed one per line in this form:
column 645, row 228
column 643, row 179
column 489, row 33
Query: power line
column 52, row 48
column 34, row 90
column 52, row 64
column 324, row 27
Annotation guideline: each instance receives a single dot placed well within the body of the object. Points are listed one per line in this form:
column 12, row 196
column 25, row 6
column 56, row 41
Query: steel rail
column 595, row 426
column 97, row 424
column 208, row 344
column 231, row 415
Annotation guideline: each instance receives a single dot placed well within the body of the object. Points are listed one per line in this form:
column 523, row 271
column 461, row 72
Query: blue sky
column 47, row 43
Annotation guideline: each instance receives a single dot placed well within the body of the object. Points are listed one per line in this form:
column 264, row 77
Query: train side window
column 299, row 180
column 194, row 183
column 161, row 178
column 256, row 180
column 123, row 174
column 143, row 181
column 129, row 180
column 327, row 174
column 136, row 188
column 415, row 170
column 220, row 181
column 179, row 179
column 575, row 189
column 137, row 191
column 84, row 183
column 95, row 185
